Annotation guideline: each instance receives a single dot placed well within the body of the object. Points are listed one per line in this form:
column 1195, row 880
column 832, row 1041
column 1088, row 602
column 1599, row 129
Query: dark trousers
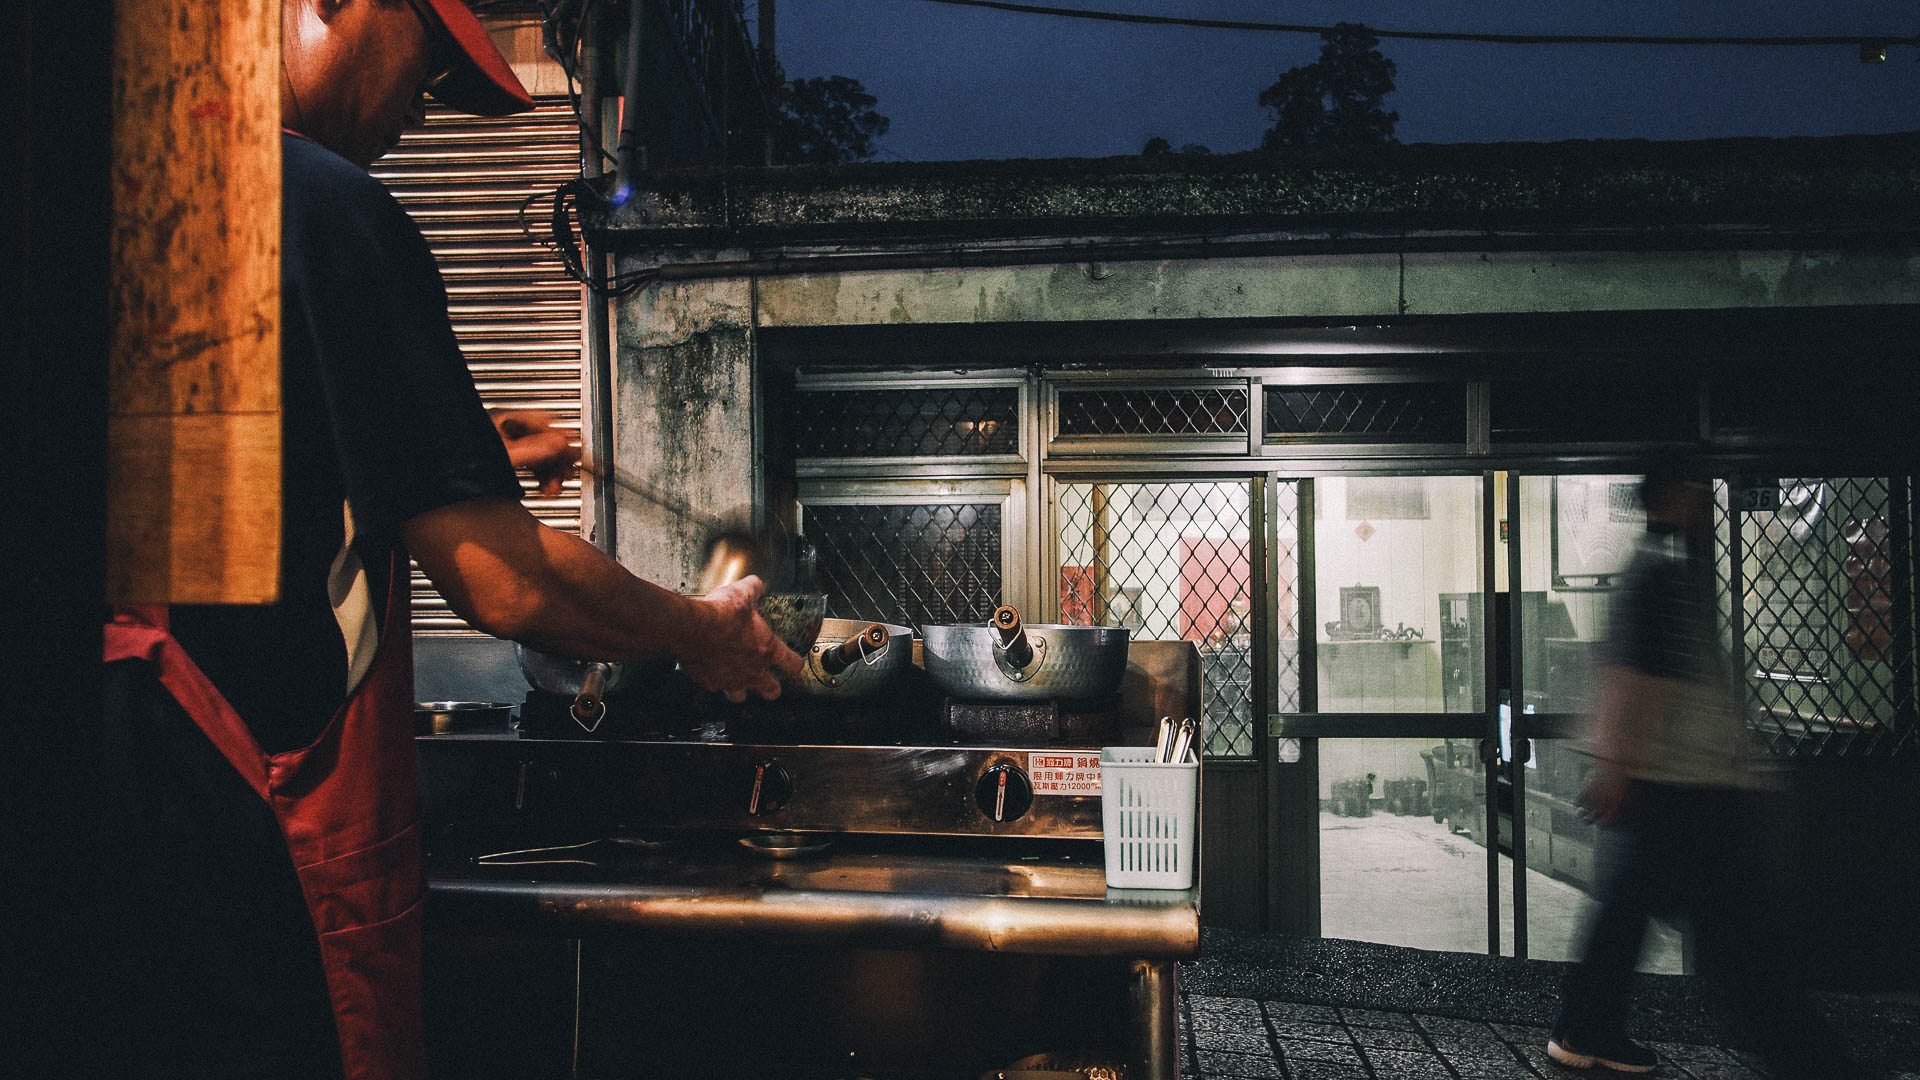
column 1702, row 854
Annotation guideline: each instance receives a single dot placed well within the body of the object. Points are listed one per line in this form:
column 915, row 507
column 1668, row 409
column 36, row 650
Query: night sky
column 962, row 83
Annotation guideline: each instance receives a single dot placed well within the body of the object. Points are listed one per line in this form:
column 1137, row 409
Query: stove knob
column 1004, row 792
column 769, row 787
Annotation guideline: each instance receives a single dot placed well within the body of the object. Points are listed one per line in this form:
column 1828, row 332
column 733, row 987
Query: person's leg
column 1595, row 995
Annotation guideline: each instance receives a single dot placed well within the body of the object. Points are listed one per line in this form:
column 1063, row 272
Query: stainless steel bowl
column 874, row 672
column 1071, row 663
column 456, row 717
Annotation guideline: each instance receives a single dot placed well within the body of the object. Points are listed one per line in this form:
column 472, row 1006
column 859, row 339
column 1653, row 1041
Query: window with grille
column 1432, row 412
column 960, row 421
column 1827, row 638
column 516, row 314
column 1173, row 561
column 909, row 564
column 1149, row 411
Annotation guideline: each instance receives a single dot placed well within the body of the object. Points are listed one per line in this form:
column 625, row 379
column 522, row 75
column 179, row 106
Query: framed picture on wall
column 1596, row 521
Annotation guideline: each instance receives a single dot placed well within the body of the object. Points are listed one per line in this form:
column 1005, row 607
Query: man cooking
column 264, row 772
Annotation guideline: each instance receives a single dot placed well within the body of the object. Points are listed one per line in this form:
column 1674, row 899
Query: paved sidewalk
column 1264, row 1006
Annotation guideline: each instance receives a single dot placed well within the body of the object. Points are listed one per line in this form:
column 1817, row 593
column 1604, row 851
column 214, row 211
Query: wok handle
column 591, row 702
column 1013, row 636
column 838, row 658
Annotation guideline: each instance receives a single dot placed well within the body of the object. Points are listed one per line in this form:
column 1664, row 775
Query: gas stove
column 666, row 759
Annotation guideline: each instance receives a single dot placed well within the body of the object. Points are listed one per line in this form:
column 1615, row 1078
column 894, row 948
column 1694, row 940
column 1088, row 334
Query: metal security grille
column 1826, row 618
column 1166, row 411
column 1374, row 412
column 1173, row 562
column 909, row 564
column 959, row 422
column 517, row 315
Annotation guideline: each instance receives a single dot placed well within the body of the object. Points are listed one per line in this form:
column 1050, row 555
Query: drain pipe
column 596, row 375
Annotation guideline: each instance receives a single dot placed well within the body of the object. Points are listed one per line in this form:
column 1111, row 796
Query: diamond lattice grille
column 1173, row 562
column 1170, row 411
column 1826, row 621
column 1390, row 412
column 960, row 422
column 909, row 564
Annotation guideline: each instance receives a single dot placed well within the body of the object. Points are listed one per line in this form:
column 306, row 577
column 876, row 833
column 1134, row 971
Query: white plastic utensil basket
column 1148, row 818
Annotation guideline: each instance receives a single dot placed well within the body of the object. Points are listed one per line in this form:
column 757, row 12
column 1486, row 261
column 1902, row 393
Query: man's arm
column 512, row 577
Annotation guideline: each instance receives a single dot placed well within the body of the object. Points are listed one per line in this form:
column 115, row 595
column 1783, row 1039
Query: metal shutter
column 516, row 313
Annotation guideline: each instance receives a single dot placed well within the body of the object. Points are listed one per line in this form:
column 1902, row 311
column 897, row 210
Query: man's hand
column 534, row 444
column 728, row 647
column 1606, row 795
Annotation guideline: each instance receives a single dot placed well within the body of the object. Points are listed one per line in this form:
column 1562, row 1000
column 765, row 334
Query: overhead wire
column 1438, row 35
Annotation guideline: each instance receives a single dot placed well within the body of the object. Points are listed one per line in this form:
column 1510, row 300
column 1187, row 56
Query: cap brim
column 481, row 82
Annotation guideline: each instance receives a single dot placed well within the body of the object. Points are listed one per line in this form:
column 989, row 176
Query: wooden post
column 193, row 427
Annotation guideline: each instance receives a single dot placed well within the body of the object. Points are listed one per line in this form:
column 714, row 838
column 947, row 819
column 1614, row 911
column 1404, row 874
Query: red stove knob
column 769, row 787
column 1004, row 793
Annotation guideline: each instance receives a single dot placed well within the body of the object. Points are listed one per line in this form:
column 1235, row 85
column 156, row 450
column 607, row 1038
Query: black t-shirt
column 378, row 411
column 1663, row 620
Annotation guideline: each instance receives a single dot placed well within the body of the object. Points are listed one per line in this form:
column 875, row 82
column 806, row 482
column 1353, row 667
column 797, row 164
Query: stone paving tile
column 1714, row 1070
column 1302, row 1029
column 1489, row 1045
column 1220, row 1063
column 1404, row 1066
column 1389, row 1039
column 1239, row 1042
column 1447, row 1025
column 1522, row 1033
column 1231, row 1022
column 1319, row 1014
column 1377, row 1018
column 1321, row 1070
column 1693, row 1052
column 1490, row 1068
column 1298, row 1050
column 1223, row 1006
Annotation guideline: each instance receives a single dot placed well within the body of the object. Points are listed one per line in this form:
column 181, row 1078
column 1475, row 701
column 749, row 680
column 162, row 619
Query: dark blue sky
column 972, row 83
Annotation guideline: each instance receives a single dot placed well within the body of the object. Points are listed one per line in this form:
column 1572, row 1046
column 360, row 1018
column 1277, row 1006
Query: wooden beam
column 194, row 389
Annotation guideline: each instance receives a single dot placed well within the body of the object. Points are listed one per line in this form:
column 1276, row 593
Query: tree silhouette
column 1157, row 147
column 826, row 121
column 1336, row 100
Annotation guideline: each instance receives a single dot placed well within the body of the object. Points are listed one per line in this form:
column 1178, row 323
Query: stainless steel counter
column 1035, row 906
column 878, row 920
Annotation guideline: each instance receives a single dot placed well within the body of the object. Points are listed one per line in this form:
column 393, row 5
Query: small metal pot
column 854, row 659
column 1007, row 660
column 460, row 717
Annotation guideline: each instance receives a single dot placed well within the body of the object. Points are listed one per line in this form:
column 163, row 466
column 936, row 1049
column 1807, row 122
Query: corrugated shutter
column 516, row 313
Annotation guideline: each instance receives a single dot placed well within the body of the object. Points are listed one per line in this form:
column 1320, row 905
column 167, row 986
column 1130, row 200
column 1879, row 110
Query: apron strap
column 140, row 633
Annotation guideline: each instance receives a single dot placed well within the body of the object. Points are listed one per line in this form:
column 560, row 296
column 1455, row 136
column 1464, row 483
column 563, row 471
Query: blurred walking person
column 1682, row 808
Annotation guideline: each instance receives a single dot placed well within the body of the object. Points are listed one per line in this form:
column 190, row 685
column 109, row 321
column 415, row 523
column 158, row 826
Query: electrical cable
column 1436, row 35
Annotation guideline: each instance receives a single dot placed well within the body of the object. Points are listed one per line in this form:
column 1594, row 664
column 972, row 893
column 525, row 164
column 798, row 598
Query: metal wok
column 1007, row 660
column 853, row 658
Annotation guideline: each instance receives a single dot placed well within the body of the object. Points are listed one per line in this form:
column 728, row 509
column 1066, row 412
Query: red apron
column 348, row 808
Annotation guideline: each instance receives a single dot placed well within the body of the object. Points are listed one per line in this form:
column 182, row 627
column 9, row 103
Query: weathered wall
column 1339, row 286
column 683, row 422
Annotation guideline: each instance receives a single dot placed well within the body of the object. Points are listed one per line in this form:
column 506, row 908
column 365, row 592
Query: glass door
column 1384, row 756
column 1569, row 544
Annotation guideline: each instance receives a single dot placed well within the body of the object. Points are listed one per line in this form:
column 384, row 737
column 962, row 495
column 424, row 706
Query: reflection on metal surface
column 1043, row 907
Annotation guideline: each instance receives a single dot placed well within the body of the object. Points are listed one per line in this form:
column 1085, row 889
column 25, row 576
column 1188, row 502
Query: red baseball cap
column 481, row 82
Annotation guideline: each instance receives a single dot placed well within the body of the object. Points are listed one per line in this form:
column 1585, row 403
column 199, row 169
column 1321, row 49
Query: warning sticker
column 1064, row 774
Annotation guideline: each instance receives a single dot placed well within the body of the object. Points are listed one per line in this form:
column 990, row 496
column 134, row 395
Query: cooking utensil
column 794, row 617
column 1006, row 659
column 455, row 717
column 587, row 682
column 855, row 659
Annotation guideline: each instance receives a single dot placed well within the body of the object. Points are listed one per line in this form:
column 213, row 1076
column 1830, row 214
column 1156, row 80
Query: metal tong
column 1174, row 740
